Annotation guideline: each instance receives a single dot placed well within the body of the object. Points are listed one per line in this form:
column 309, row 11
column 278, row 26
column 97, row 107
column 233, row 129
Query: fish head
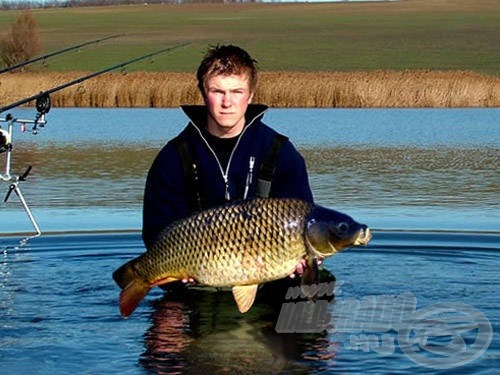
column 329, row 232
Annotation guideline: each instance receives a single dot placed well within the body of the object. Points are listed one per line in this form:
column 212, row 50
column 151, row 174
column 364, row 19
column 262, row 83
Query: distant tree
column 22, row 41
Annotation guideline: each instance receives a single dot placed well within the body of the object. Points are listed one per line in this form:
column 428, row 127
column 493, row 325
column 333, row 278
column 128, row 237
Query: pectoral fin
column 244, row 295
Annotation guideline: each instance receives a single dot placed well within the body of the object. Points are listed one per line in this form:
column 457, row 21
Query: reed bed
column 378, row 89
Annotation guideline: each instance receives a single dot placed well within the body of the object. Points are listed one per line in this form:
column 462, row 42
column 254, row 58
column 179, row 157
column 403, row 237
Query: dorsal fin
column 244, row 295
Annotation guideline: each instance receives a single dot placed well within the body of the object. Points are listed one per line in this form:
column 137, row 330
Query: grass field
column 301, row 37
column 407, row 53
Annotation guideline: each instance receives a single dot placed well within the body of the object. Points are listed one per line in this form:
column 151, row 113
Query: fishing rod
column 55, row 53
column 46, row 93
column 42, row 105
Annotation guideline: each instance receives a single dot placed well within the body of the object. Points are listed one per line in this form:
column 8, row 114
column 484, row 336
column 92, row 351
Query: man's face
column 227, row 98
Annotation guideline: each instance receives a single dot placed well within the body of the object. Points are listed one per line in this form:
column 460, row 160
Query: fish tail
column 134, row 288
column 132, row 295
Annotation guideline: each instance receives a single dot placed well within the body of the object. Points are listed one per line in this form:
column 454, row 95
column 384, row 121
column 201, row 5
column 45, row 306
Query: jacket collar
column 198, row 114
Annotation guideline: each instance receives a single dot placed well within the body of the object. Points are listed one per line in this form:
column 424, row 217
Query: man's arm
column 164, row 198
column 291, row 179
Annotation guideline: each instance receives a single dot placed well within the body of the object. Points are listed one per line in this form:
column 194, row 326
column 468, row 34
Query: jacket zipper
column 225, row 174
column 249, row 176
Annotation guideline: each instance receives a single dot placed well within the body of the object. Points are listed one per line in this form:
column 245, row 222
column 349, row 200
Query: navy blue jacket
column 166, row 195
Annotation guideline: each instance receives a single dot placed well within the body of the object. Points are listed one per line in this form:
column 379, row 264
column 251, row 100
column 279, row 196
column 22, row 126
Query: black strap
column 191, row 177
column 268, row 167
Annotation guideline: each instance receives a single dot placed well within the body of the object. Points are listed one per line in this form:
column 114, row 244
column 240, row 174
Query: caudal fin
column 132, row 295
column 134, row 288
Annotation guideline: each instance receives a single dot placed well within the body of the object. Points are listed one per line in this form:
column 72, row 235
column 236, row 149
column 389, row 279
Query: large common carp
column 239, row 245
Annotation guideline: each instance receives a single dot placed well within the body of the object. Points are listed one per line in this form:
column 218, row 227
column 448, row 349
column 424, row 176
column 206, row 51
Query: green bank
column 346, row 36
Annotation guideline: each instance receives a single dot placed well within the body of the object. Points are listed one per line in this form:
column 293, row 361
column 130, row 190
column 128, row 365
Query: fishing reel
column 42, row 106
column 43, row 103
column 5, row 140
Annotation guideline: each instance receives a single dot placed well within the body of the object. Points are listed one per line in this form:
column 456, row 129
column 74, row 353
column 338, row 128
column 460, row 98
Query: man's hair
column 227, row 60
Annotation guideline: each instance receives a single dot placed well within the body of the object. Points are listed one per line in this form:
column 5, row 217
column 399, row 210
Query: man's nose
column 226, row 99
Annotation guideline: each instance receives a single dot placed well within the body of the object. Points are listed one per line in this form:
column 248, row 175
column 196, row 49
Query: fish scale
column 229, row 249
column 240, row 245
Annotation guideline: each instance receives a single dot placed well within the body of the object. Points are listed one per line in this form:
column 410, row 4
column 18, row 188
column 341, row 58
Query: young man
column 225, row 153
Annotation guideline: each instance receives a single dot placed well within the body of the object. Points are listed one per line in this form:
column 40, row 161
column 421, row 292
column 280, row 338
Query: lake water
column 425, row 180
column 397, row 168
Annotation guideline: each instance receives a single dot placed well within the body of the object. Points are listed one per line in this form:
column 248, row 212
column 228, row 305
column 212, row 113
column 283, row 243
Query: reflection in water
column 6, row 296
column 59, row 310
column 94, row 176
column 84, row 176
column 379, row 177
column 167, row 340
column 200, row 330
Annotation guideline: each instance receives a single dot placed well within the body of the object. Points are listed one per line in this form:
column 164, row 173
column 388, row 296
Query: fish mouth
column 364, row 236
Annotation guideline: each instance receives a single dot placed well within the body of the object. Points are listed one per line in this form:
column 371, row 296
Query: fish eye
column 343, row 227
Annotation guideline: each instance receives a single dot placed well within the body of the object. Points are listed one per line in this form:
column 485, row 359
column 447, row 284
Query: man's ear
column 250, row 98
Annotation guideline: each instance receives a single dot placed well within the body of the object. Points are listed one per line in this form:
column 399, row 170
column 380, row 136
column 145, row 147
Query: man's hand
column 301, row 267
column 188, row 280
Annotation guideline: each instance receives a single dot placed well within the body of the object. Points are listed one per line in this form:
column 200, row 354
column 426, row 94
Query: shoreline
column 377, row 89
